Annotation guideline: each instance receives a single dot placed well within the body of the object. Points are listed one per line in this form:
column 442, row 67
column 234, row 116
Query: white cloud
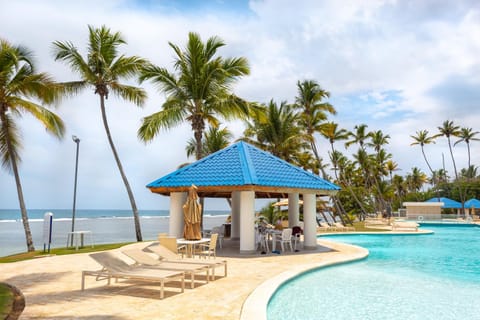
column 354, row 49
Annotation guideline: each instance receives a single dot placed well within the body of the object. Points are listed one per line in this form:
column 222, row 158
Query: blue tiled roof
column 447, row 203
column 472, row 203
column 243, row 164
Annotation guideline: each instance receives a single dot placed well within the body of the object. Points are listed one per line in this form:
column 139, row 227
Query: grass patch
column 6, row 300
column 59, row 252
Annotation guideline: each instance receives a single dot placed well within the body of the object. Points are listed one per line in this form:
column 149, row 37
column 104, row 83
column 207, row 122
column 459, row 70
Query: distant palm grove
column 199, row 91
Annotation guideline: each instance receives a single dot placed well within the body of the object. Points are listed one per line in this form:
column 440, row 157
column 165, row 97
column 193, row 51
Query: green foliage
column 6, row 300
column 59, row 252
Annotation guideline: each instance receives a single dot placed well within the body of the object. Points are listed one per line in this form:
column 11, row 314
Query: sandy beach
column 51, row 286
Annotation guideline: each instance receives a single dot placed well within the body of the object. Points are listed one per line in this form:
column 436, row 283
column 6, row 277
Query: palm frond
column 171, row 115
column 9, row 128
column 129, row 93
column 66, row 51
column 53, row 124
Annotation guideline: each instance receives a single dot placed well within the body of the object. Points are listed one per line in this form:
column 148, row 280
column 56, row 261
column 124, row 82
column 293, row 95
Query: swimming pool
column 434, row 276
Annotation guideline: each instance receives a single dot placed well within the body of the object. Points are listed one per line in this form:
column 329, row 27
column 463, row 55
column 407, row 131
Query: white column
column 235, row 232
column 247, row 222
column 310, row 221
column 177, row 200
column 293, row 211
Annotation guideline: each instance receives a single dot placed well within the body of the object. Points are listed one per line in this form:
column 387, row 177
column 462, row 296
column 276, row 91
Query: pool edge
column 255, row 305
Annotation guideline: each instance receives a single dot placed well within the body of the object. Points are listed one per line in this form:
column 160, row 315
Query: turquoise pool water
column 433, row 276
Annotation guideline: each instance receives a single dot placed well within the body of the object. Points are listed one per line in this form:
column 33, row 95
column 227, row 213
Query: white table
column 79, row 236
column 191, row 243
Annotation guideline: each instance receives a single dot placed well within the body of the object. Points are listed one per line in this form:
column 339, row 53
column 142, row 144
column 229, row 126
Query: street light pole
column 77, row 141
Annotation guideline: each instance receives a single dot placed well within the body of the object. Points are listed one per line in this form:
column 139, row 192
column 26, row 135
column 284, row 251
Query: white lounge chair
column 167, row 255
column 114, row 267
column 142, row 258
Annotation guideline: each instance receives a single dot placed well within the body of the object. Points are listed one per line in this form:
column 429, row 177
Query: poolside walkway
column 51, row 286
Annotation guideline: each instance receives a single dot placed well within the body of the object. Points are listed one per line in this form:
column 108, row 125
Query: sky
column 397, row 66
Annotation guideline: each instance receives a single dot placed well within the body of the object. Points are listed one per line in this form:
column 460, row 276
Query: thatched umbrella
column 192, row 215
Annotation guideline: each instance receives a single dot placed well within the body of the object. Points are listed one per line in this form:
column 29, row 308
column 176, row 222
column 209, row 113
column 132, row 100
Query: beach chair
column 208, row 249
column 115, row 268
column 166, row 255
column 143, row 259
column 171, row 244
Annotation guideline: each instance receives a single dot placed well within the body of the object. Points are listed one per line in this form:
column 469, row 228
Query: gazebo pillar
column 293, row 211
column 235, row 231
column 247, row 222
column 310, row 221
column 176, row 222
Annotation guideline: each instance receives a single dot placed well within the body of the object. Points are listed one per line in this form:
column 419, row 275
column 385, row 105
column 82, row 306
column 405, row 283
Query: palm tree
column 313, row 111
column 199, row 92
column 102, row 69
column 448, row 129
column 391, row 166
column 378, row 140
column 423, row 139
column 19, row 82
column 276, row 130
column 416, row 179
column 466, row 135
column 331, row 132
column 215, row 139
column 359, row 136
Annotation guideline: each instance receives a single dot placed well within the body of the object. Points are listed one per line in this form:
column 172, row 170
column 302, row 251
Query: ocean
column 107, row 226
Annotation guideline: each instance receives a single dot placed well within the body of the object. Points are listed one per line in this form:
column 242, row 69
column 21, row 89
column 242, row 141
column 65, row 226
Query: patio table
column 191, row 243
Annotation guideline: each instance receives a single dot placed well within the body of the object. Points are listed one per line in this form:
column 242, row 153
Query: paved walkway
column 51, row 287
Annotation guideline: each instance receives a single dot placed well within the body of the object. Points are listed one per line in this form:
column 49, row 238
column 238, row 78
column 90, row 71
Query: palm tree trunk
column 460, row 189
column 425, row 157
column 315, row 152
column 453, row 159
column 136, row 218
column 21, row 200
column 468, row 149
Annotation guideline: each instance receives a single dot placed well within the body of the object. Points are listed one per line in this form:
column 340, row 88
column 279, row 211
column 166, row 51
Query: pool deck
column 51, row 286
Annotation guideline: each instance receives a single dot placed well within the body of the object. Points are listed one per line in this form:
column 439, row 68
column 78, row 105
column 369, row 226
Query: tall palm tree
column 331, row 132
column 359, row 136
column 102, row 69
column 448, row 129
column 215, row 139
column 423, row 139
column 313, row 111
column 378, row 140
column 276, row 130
column 199, row 92
column 466, row 135
column 19, row 82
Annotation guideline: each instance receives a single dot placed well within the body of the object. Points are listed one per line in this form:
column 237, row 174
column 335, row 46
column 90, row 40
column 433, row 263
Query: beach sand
column 51, row 286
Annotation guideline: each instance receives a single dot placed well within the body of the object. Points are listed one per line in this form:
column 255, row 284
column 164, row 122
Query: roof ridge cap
column 248, row 170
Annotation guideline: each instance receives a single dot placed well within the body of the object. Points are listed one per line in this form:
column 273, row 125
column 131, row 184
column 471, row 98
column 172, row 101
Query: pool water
column 434, row 276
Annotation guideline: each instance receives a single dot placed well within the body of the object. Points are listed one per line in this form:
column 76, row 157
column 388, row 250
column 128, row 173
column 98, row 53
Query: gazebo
column 243, row 173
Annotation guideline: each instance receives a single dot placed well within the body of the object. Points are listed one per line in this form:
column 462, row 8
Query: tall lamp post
column 77, row 141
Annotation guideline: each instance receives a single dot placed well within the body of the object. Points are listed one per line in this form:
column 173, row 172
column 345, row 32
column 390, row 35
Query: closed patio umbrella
column 192, row 215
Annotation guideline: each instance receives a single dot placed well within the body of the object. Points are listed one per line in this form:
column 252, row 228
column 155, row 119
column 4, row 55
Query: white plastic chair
column 262, row 241
column 286, row 239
